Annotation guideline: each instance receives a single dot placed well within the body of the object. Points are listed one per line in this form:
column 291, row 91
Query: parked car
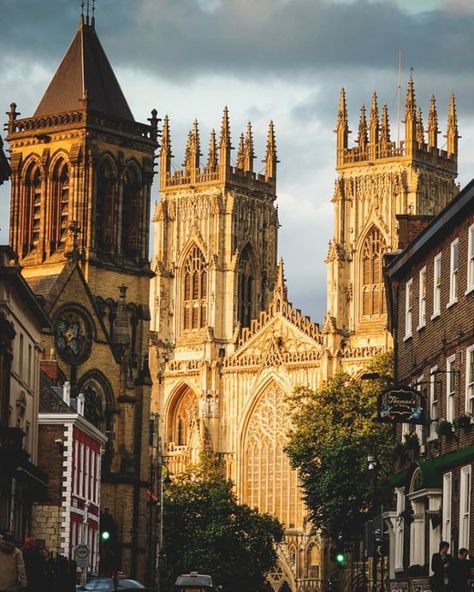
column 194, row 581
column 108, row 585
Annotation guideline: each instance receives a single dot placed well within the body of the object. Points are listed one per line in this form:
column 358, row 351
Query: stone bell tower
column 379, row 179
column 82, row 170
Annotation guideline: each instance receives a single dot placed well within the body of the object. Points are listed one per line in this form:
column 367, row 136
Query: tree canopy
column 334, row 432
column 207, row 530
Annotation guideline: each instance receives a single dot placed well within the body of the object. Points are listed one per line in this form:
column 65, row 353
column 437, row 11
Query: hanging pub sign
column 402, row 404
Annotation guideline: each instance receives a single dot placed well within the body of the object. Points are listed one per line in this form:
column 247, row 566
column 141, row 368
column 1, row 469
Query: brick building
column 431, row 303
column 70, row 451
column 22, row 320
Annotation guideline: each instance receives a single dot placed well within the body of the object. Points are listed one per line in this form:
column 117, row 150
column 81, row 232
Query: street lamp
column 372, row 466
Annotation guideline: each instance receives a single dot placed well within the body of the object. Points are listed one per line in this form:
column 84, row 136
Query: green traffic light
column 340, row 558
column 105, row 535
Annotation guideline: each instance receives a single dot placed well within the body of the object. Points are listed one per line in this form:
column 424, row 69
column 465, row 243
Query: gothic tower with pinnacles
column 228, row 348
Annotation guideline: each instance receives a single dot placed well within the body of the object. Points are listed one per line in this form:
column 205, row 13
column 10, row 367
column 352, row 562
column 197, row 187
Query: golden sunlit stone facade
column 82, row 169
column 227, row 345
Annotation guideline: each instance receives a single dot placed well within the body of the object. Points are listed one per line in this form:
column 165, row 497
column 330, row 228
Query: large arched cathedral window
column 131, row 213
column 246, row 287
column 59, row 206
column 31, row 209
column 106, row 212
column 373, row 291
column 195, row 291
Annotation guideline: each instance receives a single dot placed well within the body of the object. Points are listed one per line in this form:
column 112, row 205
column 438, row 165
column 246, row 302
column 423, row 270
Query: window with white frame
column 447, row 506
column 470, row 259
column 408, row 308
column 453, row 272
column 451, row 387
column 422, row 298
column 433, row 402
column 469, row 404
column 464, row 506
column 436, row 285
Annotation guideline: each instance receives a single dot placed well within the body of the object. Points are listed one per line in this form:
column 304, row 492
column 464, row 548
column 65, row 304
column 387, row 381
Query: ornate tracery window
column 373, row 291
column 246, row 287
column 59, row 206
column 106, row 212
column 195, row 291
column 31, row 210
column 94, row 407
column 185, row 418
column 131, row 213
column 269, row 483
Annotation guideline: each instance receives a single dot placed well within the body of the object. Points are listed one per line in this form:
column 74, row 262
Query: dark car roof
column 107, row 584
column 194, row 580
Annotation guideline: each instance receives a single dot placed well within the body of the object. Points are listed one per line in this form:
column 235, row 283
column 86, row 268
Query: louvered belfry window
column 59, row 206
column 373, row 291
column 195, row 291
column 31, row 209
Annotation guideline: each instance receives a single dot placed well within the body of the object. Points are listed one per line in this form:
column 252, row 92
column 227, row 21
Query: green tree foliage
column 207, row 530
column 334, row 432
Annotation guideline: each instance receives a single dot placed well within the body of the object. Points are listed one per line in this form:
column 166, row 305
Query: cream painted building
column 227, row 345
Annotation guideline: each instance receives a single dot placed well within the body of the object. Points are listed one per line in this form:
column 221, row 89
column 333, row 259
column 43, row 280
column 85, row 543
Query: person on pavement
column 12, row 566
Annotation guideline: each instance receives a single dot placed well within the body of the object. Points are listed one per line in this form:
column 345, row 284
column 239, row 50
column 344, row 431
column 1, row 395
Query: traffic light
column 109, row 545
column 338, row 551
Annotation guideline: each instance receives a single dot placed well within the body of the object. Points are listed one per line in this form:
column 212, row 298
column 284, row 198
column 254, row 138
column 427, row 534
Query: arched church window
column 59, row 206
column 185, row 418
column 131, row 213
column 195, row 291
column 373, row 291
column 94, row 410
column 246, row 287
column 269, row 483
column 106, row 212
column 31, row 210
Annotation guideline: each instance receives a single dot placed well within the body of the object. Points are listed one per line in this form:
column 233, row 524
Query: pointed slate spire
column 85, row 71
column 249, row 154
column 165, row 151
column 212, row 153
column 271, row 159
column 373, row 127
column 452, row 129
column 225, row 145
column 433, row 129
column 342, row 127
column 239, row 164
column 420, row 130
column 362, row 135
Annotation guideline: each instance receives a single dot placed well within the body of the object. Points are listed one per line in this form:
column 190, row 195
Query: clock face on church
column 72, row 336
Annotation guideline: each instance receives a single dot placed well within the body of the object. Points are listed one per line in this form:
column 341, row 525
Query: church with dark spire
column 81, row 176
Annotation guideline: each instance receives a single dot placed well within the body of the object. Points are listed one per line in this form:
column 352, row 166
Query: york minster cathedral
column 226, row 346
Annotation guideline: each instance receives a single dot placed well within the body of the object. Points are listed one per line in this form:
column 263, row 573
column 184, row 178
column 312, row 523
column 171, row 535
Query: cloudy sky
column 266, row 59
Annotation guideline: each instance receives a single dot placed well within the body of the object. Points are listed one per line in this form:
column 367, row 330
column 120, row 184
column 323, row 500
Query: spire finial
column 212, row 155
column 249, row 154
column 271, row 159
column 89, row 6
column 362, row 136
column 433, row 130
column 280, row 294
column 420, row 130
column 342, row 112
column 374, row 126
column 452, row 129
column 225, row 146
column 240, row 153
column 385, row 128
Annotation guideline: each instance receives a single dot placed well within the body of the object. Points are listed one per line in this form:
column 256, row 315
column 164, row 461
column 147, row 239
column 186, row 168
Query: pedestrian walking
column 442, row 567
column 461, row 571
column 12, row 566
column 35, row 565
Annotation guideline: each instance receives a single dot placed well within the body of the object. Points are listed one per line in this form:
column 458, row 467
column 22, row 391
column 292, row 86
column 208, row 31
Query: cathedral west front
column 228, row 347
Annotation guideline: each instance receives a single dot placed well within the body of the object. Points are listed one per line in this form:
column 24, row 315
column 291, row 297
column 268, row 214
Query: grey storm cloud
column 180, row 38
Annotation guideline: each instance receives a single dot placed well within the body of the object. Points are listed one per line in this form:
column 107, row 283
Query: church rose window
column 31, row 210
column 246, row 287
column 195, row 291
column 373, row 291
column 59, row 206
